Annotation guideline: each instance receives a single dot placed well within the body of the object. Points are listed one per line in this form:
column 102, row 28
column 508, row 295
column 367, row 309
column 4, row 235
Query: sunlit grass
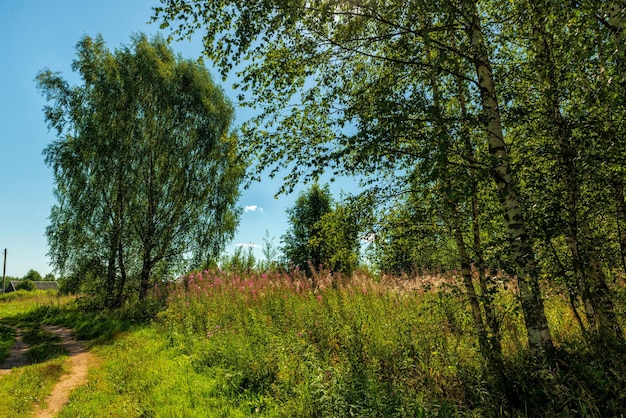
column 7, row 336
column 24, row 388
column 140, row 375
column 364, row 348
column 272, row 344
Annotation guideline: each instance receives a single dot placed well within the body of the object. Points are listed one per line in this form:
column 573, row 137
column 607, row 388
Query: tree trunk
column 479, row 263
column 600, row 294
column 119, row 293
column 111, row 279
column 109, row 299
column 618, row 188
column 144, row 278
column 490, row 348
column 587, row 270
column 524, row 258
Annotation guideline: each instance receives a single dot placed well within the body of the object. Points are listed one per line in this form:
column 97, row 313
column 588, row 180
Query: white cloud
column 253, row 208
column 250, row 245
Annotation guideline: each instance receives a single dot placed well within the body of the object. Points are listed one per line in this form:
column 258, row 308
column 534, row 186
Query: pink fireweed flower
column 319, row 298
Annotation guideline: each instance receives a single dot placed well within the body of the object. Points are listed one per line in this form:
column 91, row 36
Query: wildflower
column 319, row 298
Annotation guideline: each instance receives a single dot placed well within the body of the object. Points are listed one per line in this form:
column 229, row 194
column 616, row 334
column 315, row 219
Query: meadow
column 270, row 344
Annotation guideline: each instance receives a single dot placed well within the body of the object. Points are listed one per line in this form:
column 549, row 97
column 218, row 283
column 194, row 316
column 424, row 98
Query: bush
column 26, row 285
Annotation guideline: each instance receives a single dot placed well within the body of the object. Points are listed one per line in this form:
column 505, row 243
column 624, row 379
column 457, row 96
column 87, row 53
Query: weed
column 7, row 336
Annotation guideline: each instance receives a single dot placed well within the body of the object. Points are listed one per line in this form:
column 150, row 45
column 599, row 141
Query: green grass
column 23, row 389
column 141, row 375
column 270, row 345
column 7, row 336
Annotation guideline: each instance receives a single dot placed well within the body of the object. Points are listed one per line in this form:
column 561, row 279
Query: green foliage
column 309, row 208
column 167, row 190
column 321, row 233
column 338, row 238
column 270, row 253
column 242, row 260
column 412, row 242
column 33, row 275
column 494, row 114
column 366, row 349
column 26, row 284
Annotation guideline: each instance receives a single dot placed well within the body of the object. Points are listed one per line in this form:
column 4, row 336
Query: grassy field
column 26, row 387
column 224, row 344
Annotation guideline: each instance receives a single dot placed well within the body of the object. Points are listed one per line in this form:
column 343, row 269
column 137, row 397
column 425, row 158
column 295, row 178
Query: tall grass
column 354, row 349
column 277, row 344
column 367, row 349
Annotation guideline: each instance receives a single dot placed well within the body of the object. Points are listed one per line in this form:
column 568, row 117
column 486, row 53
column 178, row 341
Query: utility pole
column 4, row 272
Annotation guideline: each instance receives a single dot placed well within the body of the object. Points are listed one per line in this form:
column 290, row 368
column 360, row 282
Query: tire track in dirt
column 79, row 362
column 16, row 356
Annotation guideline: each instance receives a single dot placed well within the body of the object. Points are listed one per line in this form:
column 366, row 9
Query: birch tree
column 147, row 173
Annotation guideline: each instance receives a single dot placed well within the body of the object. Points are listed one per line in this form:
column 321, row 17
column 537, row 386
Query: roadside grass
column 15, row 304
column 272, row 345
column 7, row 336
column 23, row 389
column 141, row 375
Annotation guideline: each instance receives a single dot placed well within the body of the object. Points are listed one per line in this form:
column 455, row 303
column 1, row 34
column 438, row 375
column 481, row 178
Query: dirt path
column 16, row 356
column 79, row 362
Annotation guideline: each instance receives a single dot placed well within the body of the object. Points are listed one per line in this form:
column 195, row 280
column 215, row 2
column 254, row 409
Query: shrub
column 26, row 285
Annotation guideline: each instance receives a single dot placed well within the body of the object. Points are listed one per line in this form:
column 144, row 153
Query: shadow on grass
column 96, row 327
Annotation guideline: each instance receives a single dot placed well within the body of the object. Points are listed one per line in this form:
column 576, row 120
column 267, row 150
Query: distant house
column 39, row 285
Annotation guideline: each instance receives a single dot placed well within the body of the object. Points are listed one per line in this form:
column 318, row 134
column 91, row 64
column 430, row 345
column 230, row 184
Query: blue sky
column 38, row 34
